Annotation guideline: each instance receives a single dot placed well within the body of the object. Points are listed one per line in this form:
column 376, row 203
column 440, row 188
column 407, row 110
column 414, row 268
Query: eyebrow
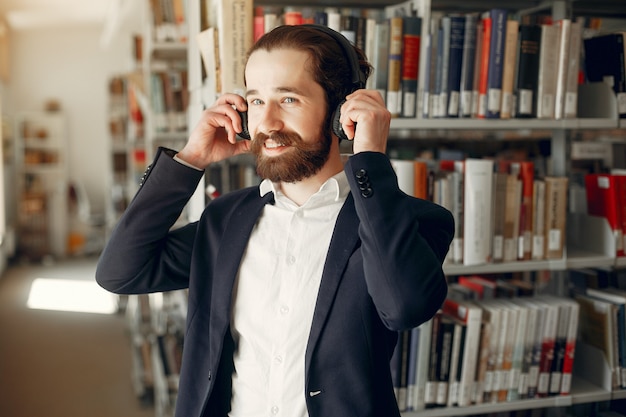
column 293, row 90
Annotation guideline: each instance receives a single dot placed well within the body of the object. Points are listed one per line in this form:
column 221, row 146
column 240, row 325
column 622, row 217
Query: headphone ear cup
column 336, row 124
column 245, row 133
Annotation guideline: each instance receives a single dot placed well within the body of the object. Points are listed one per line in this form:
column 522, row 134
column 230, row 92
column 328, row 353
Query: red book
column 259, row 22
column 620, row 183
column 602, row 201
column 527, row 175
column 484, row 67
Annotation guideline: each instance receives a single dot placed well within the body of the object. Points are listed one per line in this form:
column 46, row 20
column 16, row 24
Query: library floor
column 58, row 363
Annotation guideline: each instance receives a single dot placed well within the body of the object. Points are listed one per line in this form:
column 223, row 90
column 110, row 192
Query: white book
column 478, row 207
column 470, row 314
column 422, row 366
column 564, row 29
column 519, row 348
column 570, row 102
column 548, row 64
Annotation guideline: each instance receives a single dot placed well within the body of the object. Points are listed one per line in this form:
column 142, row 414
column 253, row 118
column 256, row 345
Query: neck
column 299, row 192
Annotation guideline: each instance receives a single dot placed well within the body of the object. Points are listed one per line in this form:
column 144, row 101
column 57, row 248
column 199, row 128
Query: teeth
column 273, row 145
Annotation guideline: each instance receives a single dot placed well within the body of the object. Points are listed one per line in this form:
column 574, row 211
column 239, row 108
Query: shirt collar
column 335, row 189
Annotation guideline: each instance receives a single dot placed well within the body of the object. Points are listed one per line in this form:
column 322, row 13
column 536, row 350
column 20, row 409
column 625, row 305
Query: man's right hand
column 214, row 137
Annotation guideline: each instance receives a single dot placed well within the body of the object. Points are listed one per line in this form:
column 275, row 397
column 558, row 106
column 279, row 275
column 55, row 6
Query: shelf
column 503, row 267
column 501, row 124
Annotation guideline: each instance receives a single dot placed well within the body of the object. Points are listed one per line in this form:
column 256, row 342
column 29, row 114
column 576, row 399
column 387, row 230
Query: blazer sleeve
column 143, row 254
column 404, row 243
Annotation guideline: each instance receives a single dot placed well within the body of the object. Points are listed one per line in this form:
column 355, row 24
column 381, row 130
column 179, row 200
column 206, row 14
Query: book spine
column 564, row 29
column 508, row 69
column 496, row 62
column 483, row 81
column 527, row 70
column 457, row 46
column 394, row 99
column 411, row 42
column 548, row 65
column 467, row 66
column 570, row 101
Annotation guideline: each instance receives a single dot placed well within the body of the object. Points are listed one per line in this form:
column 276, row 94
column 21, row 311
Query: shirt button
column 278, row 359
column 284, row 310
column 275, row 410
column 291, row 260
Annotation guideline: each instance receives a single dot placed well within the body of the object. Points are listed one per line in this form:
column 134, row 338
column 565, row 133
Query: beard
column 302, row 160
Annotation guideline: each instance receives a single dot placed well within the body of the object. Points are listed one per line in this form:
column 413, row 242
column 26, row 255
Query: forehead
column 278, row 67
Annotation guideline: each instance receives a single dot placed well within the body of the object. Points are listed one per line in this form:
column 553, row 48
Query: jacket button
column 367, row 191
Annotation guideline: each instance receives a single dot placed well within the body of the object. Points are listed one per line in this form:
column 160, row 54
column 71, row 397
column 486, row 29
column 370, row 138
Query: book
column 499, row 210
column 411, row 43
column 477, row 199
column 527, row 70
column 496, row 62
column 564, row 28
column 538, row 226
column 478, row 65
column 422, row 365
column 555, row 216
column 470, row 315
column 603, row 198
column 618, row 299
column 489, row 350
column 548, row 65
column 508, row 68
column 604, row 62
column 570, row 100
column 431, row 385
column 483, row 80
column 234, row 20
column 379, row 59
column 455, row 66
column 526, row 173
column 512, row 208
column 597, row 329
column 394, row 66
column 467, row 65
column 548, row 341
column 458, row 345
column 518, row 351
column 440, row 93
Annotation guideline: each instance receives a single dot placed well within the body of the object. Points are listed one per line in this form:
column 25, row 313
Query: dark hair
column 330, row 67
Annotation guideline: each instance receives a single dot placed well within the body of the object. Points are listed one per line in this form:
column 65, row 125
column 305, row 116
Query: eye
column 255, row 102
column 289, row 100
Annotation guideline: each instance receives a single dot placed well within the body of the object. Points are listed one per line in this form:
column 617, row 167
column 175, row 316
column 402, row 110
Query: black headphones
column 358, row 80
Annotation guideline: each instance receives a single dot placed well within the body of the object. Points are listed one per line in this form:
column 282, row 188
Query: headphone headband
column 358, row 78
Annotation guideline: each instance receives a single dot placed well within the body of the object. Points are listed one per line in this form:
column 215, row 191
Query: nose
column 269, row 120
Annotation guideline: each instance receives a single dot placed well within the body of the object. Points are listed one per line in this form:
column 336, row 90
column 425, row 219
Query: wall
column 68, row 64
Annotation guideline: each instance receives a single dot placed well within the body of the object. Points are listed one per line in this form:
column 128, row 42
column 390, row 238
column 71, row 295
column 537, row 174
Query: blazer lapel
column 231, row 251
column 342, row 245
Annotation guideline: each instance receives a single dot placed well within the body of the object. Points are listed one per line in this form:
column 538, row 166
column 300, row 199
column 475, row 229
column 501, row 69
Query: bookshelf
column 42, row 184
column 588, row 244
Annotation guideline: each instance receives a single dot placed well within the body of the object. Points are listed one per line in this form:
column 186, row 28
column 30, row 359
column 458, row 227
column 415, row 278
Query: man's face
column 286, row 116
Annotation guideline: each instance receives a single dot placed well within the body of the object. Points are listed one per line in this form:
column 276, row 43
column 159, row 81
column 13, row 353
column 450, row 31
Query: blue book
column 457, row 43
column 467, row 66
column 496, row 62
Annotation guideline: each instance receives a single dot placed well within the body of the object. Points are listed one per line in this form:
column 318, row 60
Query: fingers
column 365, row 118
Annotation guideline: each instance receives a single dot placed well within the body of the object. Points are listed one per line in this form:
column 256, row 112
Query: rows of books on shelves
column 499, row 340
column 509, row 210
column 494, row 64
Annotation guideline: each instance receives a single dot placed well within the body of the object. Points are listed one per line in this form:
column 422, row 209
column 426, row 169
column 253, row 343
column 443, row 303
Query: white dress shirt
column 274, row 300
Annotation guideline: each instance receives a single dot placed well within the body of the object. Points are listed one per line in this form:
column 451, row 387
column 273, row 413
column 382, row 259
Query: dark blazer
column 382, row 275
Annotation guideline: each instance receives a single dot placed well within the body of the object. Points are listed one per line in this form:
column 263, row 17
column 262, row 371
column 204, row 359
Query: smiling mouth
column 273, row 145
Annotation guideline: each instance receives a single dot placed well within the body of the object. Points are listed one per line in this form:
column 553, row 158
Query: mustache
column 285, row 138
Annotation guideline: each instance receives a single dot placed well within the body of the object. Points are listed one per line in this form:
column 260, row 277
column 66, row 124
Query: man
column 297, row 287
